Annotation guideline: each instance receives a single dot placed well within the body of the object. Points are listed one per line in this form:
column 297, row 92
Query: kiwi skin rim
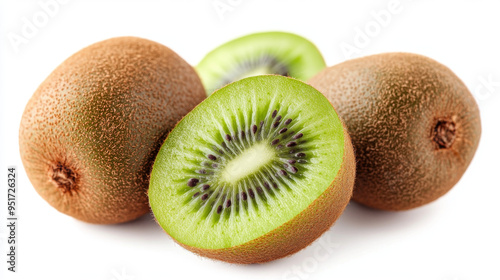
column 300, row 231
column 414, row 124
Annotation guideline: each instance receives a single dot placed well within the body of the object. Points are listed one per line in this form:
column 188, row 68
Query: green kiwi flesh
column 89, row 134
column 415, row 126
column 279, row 53
column 257, row 171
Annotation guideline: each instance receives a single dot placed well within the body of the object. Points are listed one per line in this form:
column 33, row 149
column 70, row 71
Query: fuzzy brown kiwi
column 414, row 125
column 90, row 133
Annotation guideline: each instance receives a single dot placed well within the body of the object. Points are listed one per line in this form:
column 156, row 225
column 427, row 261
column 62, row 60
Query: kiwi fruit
column 256, row 172
column 279, row 53
column 414, row 125
column 90, row 133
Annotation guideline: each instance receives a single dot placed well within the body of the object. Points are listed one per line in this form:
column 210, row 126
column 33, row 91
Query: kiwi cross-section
column 256, row 172
column 279, row 53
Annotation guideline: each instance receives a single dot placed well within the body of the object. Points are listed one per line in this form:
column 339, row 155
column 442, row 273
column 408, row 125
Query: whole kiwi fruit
column 256, row 172
column 414, row 125
column 90, row 132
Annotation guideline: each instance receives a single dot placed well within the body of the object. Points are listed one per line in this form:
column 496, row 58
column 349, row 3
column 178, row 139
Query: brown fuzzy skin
column 90, row 133
column 414, row 124
column 303, row 229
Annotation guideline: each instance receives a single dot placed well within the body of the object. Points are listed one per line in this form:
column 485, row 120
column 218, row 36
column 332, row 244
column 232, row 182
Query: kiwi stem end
column 64, row 178
column 444, row 133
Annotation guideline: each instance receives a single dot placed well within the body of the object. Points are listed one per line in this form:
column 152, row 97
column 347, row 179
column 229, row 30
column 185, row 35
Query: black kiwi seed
column 192, row 182
column 287, row 122
column 300, row 155
column 275, row 185
column 278, row 118
column 266, row 185
column 297, row 136
column 274, row 113
column 196, row 194
column 202, row 171
column 204, row 197
column 282, row 172
column 251, row 193
column 242, row 134
column 212, row 157
column 219, row 209
column 292, row 161
column 206, row 187
column 291, row 144
column 275, row 141
column 276, row 124
column 228, row 203
column 283, row 130
column 244, row 195
column 228, row 137
column 259, row 190
column 293, row 169
column 254, row 129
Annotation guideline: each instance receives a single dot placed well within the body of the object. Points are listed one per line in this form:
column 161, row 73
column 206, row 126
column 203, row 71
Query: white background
column 454, row 238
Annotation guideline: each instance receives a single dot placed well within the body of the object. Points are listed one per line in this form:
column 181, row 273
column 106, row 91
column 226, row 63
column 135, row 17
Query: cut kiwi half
column 278, row 53
column 256, row 172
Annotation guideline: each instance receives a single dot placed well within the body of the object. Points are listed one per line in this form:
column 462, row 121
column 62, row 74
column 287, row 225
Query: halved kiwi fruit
column 256, row 172
column 279, row 53
column 414, row 124
column 89, row 134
